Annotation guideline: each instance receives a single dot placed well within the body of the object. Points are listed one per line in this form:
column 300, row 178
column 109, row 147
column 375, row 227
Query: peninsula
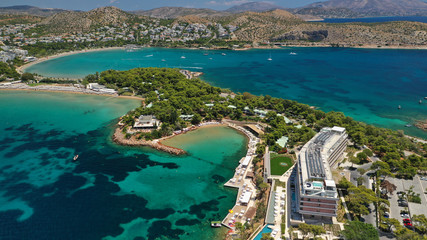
column 175, row 104
column 298, row 176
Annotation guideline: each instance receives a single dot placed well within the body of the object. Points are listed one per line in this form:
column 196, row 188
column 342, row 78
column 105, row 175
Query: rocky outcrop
column 422, row 125
column 315, row 36
column 120, row 138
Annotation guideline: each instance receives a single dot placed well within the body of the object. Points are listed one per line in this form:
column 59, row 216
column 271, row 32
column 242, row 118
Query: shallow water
column 111, row 192
column 366, row 84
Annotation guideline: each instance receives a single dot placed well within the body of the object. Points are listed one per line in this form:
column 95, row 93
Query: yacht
column 215, row 224
column 75, row 157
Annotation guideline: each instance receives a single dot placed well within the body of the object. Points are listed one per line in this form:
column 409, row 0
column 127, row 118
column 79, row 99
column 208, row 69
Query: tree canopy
column 356, row 230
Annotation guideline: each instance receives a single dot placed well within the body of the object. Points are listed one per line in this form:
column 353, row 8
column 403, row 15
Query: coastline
column 365, row 46
column 120, row 138
column 159, row 144
column 60, row 88
column 22, row 68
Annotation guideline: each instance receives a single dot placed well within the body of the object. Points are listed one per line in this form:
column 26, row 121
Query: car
column 408, row 224
column 400, row 192
column 248, row 220
column 423, row 178
column 386, row 215
column 407, row 220
column 404, row 215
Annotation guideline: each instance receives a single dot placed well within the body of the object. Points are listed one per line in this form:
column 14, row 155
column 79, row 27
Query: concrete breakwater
column 120, row 138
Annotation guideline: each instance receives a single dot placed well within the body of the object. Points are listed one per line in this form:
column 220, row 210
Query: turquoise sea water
column 366, row 84
column 111, row 192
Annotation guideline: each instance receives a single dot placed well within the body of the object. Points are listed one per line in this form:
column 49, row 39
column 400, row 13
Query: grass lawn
column 279, row 164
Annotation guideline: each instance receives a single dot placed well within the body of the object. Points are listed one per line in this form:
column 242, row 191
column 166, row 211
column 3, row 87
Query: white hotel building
column 316, row 193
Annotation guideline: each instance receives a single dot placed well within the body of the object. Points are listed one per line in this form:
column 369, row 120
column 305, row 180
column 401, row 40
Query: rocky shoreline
column 119, row 138
column 422, row 125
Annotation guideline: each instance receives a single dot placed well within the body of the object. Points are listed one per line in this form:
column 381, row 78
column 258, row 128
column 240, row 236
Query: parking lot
column 404, row 185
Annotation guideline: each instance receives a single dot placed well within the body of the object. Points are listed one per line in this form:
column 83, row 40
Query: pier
column 244, row 208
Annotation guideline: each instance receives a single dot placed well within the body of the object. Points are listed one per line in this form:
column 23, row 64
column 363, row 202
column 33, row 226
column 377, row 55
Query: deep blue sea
column 111, row 192
column 366, row 84
column 376, row 19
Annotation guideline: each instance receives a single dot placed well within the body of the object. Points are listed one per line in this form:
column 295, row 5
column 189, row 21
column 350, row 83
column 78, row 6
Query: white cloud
column 113, row 1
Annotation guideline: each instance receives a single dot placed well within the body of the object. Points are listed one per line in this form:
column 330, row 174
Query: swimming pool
column 266, row 229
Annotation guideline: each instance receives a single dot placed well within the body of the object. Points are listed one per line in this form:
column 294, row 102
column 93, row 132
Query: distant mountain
column 175, row 12
column 253, row 7
column 83, row 21
column 362, row 8
column 30, row 10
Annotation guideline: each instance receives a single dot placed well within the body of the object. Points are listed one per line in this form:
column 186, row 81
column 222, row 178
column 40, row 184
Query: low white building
column 147, row 122
column 100, row 88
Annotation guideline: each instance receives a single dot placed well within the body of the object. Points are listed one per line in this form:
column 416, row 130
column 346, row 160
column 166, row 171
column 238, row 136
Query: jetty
column 120, row 138
column 244, row 208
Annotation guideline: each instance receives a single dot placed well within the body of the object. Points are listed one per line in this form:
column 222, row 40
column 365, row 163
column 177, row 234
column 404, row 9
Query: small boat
column 223, row 54
column 75, row 157
column 399, row 107
column 183, row 57
column 205, row 54
column 408, row 125
column 215, row 224
column 292, row 53
column 163, row 60
column 270, row 59
column 425, row 98
column 420, row 101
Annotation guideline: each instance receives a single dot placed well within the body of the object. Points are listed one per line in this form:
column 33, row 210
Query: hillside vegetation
column 86, row 21
column 11, row 19
column 254, row 27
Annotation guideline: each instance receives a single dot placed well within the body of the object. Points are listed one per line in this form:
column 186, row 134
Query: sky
column 146, row 4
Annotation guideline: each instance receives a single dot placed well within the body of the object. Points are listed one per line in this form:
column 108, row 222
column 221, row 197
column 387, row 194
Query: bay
column 366, row 84
column 111, row 192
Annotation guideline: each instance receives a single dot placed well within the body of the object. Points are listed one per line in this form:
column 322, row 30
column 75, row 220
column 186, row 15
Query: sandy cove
column 119, row 138
column 23, row 67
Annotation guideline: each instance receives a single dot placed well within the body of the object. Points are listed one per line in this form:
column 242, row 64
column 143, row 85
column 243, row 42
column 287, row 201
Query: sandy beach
column 22, row 68
column 60, row 88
